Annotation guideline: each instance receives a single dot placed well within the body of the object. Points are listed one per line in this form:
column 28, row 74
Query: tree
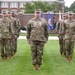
column 72, row 7
column 66, row 9
column 44, row 6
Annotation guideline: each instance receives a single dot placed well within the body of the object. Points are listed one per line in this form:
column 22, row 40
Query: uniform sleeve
column 63, row 28
column 28, row 30
column 46, row 31
column 74, row 29
column 18, row 25
column 57, row 27
column 11, row 28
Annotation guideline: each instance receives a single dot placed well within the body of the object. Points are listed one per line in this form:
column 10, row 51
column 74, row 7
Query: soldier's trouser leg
column 7, row 47
column 2, row 48
column 69, row 46
column 61, row 45
column 11, row 46
column 40, row 48
column 15, row 46
column 64, row 51
column 34, row 53
column 37, row 52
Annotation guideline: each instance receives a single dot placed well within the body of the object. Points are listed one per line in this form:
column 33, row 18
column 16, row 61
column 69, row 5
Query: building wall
column 17, row 5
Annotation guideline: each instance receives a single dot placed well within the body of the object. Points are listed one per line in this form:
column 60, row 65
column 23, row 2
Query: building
column 16, row 6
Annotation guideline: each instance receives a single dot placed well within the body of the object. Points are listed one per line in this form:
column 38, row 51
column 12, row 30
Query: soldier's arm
column 64, row 25
column 46, row 31
column 18, row 27
column 74, row 29
column 57, row 27
column 28, row 31
column 11, row 28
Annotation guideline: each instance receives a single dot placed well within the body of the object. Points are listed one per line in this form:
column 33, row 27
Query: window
column 13, row 5
column 22, row 5
column 5, row 5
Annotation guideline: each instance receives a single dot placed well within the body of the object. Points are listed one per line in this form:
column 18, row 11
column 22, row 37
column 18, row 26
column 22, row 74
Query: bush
column 23, row 28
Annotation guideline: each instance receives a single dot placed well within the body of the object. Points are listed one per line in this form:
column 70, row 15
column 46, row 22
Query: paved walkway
column 50, row 37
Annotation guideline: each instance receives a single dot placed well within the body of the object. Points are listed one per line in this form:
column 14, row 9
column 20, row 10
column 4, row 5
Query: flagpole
column 59, row 15
column 0, row 6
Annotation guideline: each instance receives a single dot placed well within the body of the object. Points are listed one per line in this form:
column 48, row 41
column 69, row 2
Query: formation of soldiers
column 9, row 32
column 37, row 36
column 66, row 33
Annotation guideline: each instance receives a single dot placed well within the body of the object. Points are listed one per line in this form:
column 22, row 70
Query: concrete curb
column 50, row 37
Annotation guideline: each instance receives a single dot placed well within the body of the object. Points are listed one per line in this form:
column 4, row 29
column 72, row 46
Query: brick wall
column 24, row 18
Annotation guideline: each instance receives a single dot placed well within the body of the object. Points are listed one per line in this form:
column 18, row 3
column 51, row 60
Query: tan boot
column 39, row 67
column 70, row 59
column 35, row 68
column 4, row 59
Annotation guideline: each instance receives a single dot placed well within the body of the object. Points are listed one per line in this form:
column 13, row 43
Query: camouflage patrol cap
column 9, row 12
column 70, row 13
column 64, row 14
column 38, row 10
column 4, row 13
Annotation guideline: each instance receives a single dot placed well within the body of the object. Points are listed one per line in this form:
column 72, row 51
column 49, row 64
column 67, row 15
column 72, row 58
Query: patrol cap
column 70, row 13
column 64, row 15
column 38, row 10
column 4, row 12
column 9, row 12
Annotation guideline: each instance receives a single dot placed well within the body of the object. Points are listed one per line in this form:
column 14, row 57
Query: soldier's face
column 64, row 17
column 4, row 15
column 9, row 15
column 70, row 16
column 37, row 14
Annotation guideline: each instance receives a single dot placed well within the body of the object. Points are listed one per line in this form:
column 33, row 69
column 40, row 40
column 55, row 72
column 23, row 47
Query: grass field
column 24, row 34
column 53, row 63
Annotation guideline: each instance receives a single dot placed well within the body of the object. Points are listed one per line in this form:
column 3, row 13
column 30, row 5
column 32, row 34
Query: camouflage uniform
column 37, row 35
column 69, row 37
column 17, row 33
column 5, row 36
column 16, row 28
column 60, row 32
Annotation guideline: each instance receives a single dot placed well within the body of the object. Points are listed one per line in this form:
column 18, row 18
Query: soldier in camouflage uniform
column 5, row 37
column 16, row 28
column 17, row 32
column 69, row 36
column 60, row 32
column 37, row 36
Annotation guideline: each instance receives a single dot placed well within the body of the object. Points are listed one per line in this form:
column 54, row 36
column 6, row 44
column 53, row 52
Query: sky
column 68, row 2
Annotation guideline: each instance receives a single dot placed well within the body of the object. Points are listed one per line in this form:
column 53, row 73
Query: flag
column 43, row 15
column 54, row 22
column 50, row 22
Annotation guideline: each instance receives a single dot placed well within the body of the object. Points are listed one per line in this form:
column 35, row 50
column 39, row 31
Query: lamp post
column 61, row 5
column 0, row 6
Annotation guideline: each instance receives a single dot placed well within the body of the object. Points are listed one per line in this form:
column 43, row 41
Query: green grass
column 24, row 34
column 53, row 63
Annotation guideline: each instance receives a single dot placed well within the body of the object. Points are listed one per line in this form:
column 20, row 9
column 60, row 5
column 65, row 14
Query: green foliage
column 72, row 7
column 66, row 9
column 23, row 28
column 44, row 6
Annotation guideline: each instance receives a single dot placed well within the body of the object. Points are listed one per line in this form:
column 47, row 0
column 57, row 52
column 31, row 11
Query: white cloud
column 68, row 2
